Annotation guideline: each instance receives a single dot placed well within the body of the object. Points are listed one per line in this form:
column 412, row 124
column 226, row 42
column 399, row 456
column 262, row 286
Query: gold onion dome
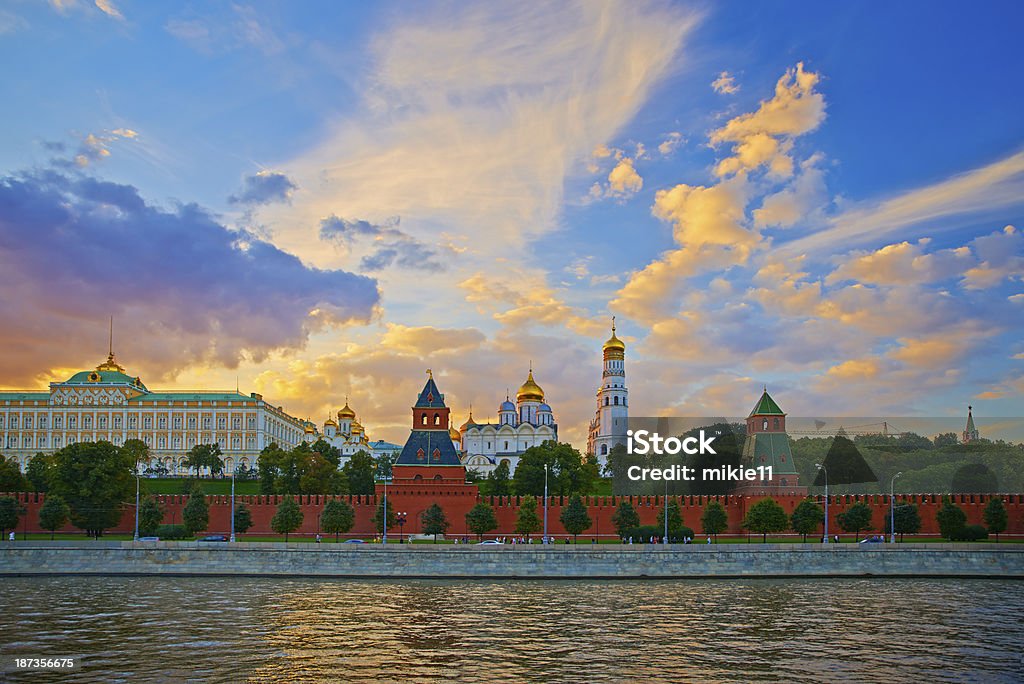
column 454, row 434
column 346, row 412
column 310, row 430
column 530, row 390
column 330, row 421
column 614, row 343
column 469, row 422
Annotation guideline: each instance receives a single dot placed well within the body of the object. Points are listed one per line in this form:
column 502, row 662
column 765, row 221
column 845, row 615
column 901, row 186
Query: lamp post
column 665, row 538
column 892, row 508
column 400, row 518
column 233, row 468
column 136, row 538
column 818, row 465
column 384, row 522
column 545, row 503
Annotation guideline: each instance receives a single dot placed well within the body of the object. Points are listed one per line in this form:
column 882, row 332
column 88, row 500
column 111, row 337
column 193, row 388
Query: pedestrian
column 709, row 539
column 11, row 536
column 318, row 538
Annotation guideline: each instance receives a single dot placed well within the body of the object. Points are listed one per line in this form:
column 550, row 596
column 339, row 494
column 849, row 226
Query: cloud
column 671, row 142
column 241, row 28
column 763, row 137
column 624, row 181
column 1001, row 257
column 725, row 84
column 389, row 245
column 93, row 147
column 108, row 8
column 264, row 188
column 107, row 251
column 902, row 263
column 475, row 117
column 800, row 201
column 527, row 307
column 993, row 187
column 10, row 22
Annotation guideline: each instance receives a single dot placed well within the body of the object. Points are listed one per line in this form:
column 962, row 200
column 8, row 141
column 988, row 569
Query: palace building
column 612, row 416
column 107, row 403
column 526, row 423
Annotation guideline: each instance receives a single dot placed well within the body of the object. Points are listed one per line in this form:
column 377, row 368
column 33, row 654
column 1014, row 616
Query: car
column 490, row 542
column 149, row 539
column 353, row 541
column 873, row 540
column 214, row 537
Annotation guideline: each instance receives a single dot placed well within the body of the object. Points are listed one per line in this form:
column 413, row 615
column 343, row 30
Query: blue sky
column 481, row 168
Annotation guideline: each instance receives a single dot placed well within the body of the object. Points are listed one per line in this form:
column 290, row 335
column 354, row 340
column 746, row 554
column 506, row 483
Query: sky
column 319, row 201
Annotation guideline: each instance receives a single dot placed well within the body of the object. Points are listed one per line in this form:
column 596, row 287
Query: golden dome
column 614, row 343
column 310, row 430
column 356, row 428
column 530, row 390
column 469, row 422
column 454, row 434
column 330, row 421
column 346, row 412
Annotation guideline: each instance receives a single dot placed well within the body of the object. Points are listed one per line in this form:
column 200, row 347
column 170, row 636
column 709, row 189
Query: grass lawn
column 182, row 485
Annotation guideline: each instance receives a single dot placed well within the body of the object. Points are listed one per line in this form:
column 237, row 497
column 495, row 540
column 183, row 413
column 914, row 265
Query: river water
column 272, row 630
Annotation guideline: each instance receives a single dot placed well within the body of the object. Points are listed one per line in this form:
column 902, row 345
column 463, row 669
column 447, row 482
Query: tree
column 95, row 479
column 527, row 520
column 378, row 517
column 951, row 519
column 11, row 479
column 625, row 517
column 205, row 456
column 568, row 472
column 714, row 520
column 907, row 519
column 243, row 519
column 946, row 439
column 499, row 481
column 617, row 462
column 337, row 518
column 268, row 465
column 806, row 518
column 434, row 521
column 995, row 516
column 974, row 478
column 856, row 519
column 196, row 514
column 766, row 517
column 359, row 470
column 675, row 518
column 38, row 472
column 151, row 514
column 481, row 519
column 574, row 517
column 137, row 451
column 53, row 514
column 10, row 511
column 287, row 518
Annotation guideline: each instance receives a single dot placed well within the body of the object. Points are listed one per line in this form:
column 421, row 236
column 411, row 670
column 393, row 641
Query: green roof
column 24, row 396
column 766, row 406
column 191, row 396
column 109, row 377
column 970, row 420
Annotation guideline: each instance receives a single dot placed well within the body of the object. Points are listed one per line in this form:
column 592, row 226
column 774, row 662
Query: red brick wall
column 457, row 501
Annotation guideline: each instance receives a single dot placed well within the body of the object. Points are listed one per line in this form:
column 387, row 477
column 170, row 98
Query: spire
column 110, row 346
column 110, row 364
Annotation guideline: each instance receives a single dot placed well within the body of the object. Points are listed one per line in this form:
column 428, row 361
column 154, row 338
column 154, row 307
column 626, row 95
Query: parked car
column 149, row 539
column 353, row 541
column 490, row 542
column 213, row 537
column 877, row 539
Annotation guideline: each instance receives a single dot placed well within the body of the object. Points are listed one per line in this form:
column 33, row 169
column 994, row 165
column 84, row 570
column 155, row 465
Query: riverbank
column 523, row 562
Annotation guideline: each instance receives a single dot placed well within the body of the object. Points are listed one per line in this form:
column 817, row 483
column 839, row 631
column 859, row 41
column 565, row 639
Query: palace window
column 26, row 441
column 162, row 443
column 71, row 440
column 28, row 421
column 191, row 442
column 177, row 442
column 236, row 443
column 56, row 442
column 237, row 424
column 117, row 422
column 252, row 423
column 1, row 421
column 86, row 422
column 177, row 423
column 14, row 421
column 57, row 421
column 206, row 423
column 148, row 440
column 162, row 423
column 192, row 423
column 132, row 422
column 222, row 423
column 72, row 422
column 101, row 422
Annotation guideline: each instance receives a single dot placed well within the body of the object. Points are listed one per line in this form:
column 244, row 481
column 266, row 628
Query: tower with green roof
column 767, row 444
column 970, row 433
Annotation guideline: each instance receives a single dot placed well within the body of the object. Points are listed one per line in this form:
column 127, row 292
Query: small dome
column 544, row 408
column 357, row 428
column 454, row 434
column 346, row 412
column 330, row 422
column 530, row 390
column 614, row 343
column 310, row 430
column 469, row 422
column 507, row 406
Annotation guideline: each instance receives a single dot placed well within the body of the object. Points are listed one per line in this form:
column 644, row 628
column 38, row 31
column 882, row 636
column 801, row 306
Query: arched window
column 606, row 401
column 616, row 401
column 418, row 478
column 765, row 426
column 423, row 419
column 437, row 454
column 604, row 449
column 776, row 423
column 437, row 477
column 420, row 454
column 437, row 419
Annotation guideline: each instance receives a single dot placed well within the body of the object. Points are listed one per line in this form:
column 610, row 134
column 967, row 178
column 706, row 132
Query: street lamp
column 545, row 503
column 384, row 523
column 233, row 468
column 818, row 465
column 665, row 538
column 136, row 503
column 400, row 519
column 892, row 508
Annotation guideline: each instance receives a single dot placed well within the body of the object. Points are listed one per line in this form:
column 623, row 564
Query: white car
column 490, row 542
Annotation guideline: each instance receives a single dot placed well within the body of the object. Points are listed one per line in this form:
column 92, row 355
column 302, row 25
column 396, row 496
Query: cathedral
column 526, row 423
column 349, row 436
column 609, row 425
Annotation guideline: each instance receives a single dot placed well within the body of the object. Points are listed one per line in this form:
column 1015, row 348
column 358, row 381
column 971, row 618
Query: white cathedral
column 526, row 423
column 349, row 436
column 610, row 420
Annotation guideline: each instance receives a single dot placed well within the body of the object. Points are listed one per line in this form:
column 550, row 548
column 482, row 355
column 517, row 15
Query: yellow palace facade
column 109, row 404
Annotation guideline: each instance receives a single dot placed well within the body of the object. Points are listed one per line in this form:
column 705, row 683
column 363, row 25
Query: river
column 128, row 629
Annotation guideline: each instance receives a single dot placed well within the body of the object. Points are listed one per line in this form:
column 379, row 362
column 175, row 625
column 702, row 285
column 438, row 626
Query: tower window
column 606, row 401
column 616, row 401
column 437, row 454
column 423, row 419
column 776, row 423
column 420, row 453
column 604, row 449
column 437, row 419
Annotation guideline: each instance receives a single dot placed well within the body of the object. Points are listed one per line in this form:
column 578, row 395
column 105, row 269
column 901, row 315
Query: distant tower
column 970, row 433
column 609, row 425
column 767, row 444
